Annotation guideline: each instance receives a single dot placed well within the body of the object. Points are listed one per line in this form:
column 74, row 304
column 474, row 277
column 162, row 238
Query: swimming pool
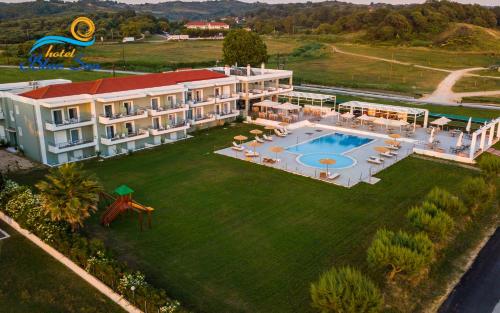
column 329, row 146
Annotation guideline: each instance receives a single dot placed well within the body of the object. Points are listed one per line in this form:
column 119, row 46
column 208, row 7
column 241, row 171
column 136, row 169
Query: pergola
column 310, row 97
column 276, row 105
column 385, row 111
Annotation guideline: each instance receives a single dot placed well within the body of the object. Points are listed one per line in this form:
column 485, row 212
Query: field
column 231, row 236
column 10, row 75
column 473, row 83
column 32, row 281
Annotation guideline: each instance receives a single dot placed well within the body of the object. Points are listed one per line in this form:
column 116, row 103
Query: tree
column 445, row 201
column 476, row 193
column 69, row 194
column 244, row 47
column 490, row 166
column 345, row 290
column 400, row 253
column 429, row 218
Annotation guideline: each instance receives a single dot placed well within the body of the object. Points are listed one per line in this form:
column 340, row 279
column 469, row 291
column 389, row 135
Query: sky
column 482, row 2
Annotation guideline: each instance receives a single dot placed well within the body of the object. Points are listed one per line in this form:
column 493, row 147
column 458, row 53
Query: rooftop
column 117, row 84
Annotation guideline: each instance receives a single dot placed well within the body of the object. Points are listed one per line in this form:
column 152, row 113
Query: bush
column 477, row 193
column 445, row 201
column 429, row 218
column 490, row 166
column 400, row 253
column 345, row 290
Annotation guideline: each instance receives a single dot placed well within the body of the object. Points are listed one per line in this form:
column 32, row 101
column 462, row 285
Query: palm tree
column 69, row 194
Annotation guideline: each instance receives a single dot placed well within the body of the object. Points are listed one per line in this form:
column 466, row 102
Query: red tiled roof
column 116, row 84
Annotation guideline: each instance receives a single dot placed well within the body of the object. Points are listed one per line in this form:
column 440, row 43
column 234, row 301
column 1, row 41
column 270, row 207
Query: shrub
column 476, row 193
column 400, row 253
column 429, row 218
column 345, row 290
column 445, row 201
column 490, row 166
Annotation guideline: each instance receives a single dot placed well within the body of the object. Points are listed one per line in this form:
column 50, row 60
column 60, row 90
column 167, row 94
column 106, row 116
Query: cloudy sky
column 482, row 2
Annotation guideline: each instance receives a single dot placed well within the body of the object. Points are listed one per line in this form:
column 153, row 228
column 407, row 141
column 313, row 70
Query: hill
column 469, row 37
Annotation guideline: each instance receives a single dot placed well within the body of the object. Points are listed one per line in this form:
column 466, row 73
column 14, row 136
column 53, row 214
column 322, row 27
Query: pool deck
column 350, row 176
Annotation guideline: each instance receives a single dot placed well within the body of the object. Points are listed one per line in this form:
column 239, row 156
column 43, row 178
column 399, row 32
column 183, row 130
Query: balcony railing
column 199, row 119
column 200, row 102
column 71, row 123
column 180, row 125
column 140, row 134
column 117, row 118
column 71, row 145
column 228, row 114
column 169, row 109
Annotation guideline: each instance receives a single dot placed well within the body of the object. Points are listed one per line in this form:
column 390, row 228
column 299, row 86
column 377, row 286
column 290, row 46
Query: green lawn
column 231, row 236
column 32, row 281
column 10, row 75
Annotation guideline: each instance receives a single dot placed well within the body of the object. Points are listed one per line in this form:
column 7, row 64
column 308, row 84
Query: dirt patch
column 10, row 162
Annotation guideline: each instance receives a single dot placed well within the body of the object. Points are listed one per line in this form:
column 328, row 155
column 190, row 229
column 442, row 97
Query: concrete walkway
column 118, row 299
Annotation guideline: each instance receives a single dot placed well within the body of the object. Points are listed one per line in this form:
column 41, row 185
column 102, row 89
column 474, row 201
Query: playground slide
column 113, row 211
column 140, row 207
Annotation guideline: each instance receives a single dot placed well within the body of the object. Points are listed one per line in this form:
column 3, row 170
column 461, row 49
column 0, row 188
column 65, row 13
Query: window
column 155, row 103
column 73, row 114
column 20, row 131
column 217, row 91
column 127, row 107
column 110, row 131
column 108, row 110
column 11, row 113
column 16, row 107
column 199, row 112
column 74, row 135
column 156, row 122
column 170, row 100
column 57, row 117
column 130, row 127
column 198, row 95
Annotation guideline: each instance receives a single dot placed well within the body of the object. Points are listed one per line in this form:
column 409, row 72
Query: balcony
column 72, row 123
column 224, row 115
column 228, row 97
column 168, row 109
column 72, row 145
column 203, row 119
column 169, row 129
column 141, row 134
column 123, row 117
column 2, row 116
column 201, row 102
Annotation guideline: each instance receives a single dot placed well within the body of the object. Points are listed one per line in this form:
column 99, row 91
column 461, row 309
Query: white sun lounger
column 237, row 147
column 392, row 147
column 278, row 133
column 375, row 160
column 386, row 154
column 268, row 138
column 258, row 139
column 333, row 176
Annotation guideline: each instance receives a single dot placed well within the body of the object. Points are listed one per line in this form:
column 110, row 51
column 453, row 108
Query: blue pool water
column 330, row 146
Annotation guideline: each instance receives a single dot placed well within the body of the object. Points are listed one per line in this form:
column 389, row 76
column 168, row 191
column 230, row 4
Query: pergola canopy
column 382, row 107
column 310, row 95
column 277, row 105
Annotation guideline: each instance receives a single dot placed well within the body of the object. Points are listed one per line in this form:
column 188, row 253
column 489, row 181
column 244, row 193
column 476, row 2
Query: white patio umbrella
column 460, row 138
column 365, row 117
column 431, row 137
column 441, row 121
column 469, row 124
column 347, row 115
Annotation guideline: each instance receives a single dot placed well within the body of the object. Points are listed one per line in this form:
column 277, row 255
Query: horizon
column 366, row 2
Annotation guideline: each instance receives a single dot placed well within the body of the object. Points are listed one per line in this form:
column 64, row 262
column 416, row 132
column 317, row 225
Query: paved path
column 494, row 151
column 479, row 289
column 118, row 299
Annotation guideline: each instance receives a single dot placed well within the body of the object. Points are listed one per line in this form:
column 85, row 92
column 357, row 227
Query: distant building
column 128, row 39
column 207, row 25
column 177, row 37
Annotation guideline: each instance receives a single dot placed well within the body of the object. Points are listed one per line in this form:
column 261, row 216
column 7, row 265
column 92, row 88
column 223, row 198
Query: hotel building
column 65, row 122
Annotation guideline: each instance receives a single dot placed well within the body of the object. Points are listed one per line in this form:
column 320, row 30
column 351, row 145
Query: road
column 479, row 289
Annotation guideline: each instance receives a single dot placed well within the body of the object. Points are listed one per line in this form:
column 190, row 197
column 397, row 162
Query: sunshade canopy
column 123, row 190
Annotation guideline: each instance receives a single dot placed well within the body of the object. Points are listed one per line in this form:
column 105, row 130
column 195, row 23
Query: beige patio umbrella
column 254, row 144
column 327, row 162
column 392, row 142
column 256, row 132
column 269, row 128
column 381, row 149
column 395, row 136
column 283, row 124
column 276, row 149
column 240, row 138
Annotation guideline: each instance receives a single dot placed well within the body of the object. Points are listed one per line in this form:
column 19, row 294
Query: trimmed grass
column 231, row 236
column 10, row 75
column 32, row 281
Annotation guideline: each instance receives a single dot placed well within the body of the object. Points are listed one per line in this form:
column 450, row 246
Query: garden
column 231, row 236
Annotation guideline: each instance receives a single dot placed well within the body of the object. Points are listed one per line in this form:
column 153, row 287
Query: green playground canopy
column 123, row 190
column 462, row 118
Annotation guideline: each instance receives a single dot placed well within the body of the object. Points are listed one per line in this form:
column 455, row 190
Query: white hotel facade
column 65, row 122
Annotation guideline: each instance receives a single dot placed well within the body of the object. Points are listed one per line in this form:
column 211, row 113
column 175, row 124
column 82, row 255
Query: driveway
column 479, row 289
